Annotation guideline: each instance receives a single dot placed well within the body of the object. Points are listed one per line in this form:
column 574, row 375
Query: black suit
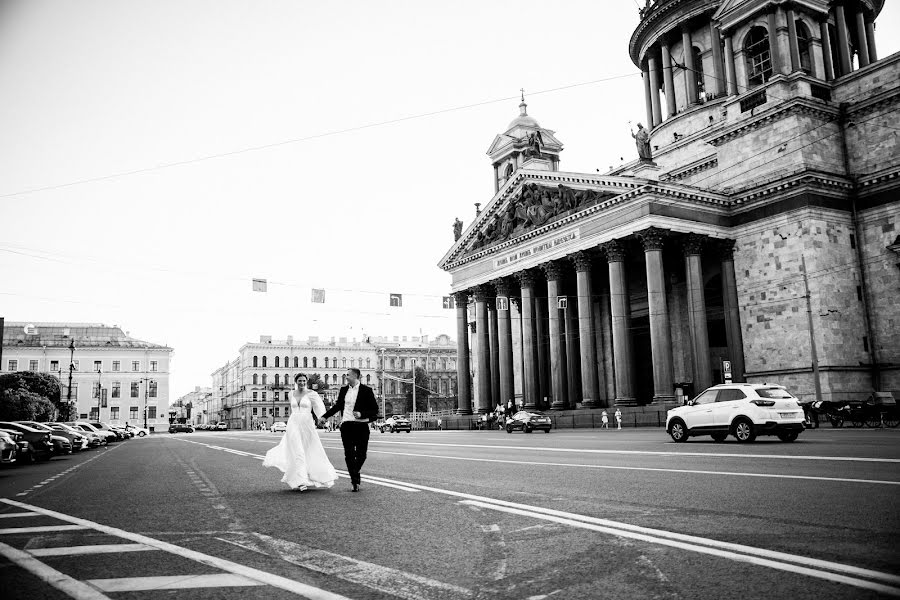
column 355, row 434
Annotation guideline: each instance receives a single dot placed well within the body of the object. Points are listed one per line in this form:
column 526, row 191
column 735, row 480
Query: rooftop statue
column 457, row 229
column 642, row 141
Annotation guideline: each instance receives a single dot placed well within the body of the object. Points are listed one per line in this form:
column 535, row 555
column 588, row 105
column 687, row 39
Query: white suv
column 743, row 410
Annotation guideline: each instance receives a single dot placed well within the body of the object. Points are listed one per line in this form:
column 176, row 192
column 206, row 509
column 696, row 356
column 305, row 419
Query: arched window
column 255, row 379
column 277, row 379
column 314, row 362
column 698, row 74
column 803, row 45
column 334, row 362
column 368, row 379
column 264, row 379
column 296, row 362
column 286, row 362
column 264, row 361
column 287, row 380
column 255, row 361
column 344, row 362
column 368, row 363
column 759, row 60
column 402, row 363
column 277, row 361
column 326, row 377
column 509, row 171
column 305, row 362
column 326, row 362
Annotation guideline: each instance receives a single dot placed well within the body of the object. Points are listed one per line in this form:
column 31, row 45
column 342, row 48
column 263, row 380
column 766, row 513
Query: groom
column 358, row 407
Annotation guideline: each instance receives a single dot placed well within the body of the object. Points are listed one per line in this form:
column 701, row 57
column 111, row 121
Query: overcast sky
column 157, row 155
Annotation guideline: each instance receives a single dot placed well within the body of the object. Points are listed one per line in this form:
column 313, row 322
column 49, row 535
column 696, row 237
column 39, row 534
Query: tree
column 26, row 390
column 315, row 382
column 22, row 405
column 422, row 390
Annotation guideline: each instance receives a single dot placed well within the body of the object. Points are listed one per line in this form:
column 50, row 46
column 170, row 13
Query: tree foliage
column 422, row 390
column 315, row 382
column 22, row 405
column 25, row 395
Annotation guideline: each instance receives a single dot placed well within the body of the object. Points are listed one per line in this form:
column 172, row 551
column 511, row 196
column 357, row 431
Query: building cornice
column 780, row 111
column 698, row 166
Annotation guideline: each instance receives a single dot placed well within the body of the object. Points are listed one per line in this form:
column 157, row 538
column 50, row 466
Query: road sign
column 726, row 370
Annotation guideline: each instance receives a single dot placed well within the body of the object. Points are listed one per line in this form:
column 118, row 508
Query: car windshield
column 773, row 393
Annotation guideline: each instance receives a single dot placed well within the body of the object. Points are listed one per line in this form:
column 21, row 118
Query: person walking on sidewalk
column 618, row 416
column 604, row 420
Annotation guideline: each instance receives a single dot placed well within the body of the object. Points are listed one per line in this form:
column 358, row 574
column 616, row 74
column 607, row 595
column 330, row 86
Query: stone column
column 463, row 379
column 647, row 98
column 690, row 69
column 482, row 294
column 870, row 36
column 496, row 178
column 730, row 76
column 660, row 335
column 668, row 85
column 718, row 64
column 493, row 336
column 843, row 44
column 590, row 396
column 620, row 307
column 541, row 322
column 733, row 334
column 554, row 273
column 827, row 58
column 530, row 380
column 573, row 356
column 504, row 331
column 693, row 245
column 774, row 50
column 793, row 42
column 654, row 89
column 863, row 45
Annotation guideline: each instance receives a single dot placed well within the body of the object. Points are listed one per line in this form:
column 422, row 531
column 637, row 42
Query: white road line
column 172, row 582
column 652, row 469
column 94, row 549
column 19, row 514
column 746, row 558
column 296, row 587
column 49, row 575
column 645, row 452
column 14, row 530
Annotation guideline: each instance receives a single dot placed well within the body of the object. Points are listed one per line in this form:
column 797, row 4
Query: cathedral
column 756, row 238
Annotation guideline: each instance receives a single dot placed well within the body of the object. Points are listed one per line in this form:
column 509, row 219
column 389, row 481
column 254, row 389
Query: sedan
column 40, row 446
column 90, row 439
column 75, row 439
column 137, row 431
column 279, row 427
column 8, row 448
column 180, row 428
column 528, row 421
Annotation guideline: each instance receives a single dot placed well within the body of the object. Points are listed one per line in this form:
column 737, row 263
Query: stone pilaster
column 554, row 273
column 463, row 378
column 620, row 309
column 494, row 340
column 693, row 246
column 531, row 386
column 660, row 335
column 504, row 342
column 483, row 359
column 653, row 67
column 733, row 334
column 843, row 44
column 590, row 395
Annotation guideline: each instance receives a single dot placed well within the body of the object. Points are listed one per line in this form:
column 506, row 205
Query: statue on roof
column 642, row 141
column 457, row 229
column 535, row 141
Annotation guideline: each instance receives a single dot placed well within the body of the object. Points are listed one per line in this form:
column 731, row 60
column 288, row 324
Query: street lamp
column 71, row 369
column 99, row 392
column 383, row 415
column 146, row 381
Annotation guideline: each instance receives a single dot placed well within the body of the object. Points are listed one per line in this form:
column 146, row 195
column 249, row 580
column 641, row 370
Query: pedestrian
column 604, row 420
column 440, row 424
column 358, row 407
column 618, row 416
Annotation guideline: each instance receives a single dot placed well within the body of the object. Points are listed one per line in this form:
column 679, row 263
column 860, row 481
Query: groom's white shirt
column 350, row 403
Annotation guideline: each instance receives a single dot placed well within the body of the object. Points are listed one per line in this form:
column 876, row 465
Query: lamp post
column 71, row 369
column 99, row 392
column 383, row 416
column 146, row 381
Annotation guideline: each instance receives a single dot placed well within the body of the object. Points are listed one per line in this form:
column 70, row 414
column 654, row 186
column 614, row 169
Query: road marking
column 14, row 530
column 652, row 469
column 746, row 558
column 19, row 514
column 49, row 575
column 172, row 582
column 296, row 587
column 94, row 549
column 62, row 473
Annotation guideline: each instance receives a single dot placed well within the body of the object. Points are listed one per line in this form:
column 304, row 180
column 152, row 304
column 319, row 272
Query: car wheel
column 141, row 434
column 858, row 421
column 509, row 429
column 409, row 431
column 743, row 430
column 546, row 431
column 788, row 436
column 837, row 422
column 874, row 421
column 528, row 429
column 678, row 431
column 719, row 437
column 891, row 420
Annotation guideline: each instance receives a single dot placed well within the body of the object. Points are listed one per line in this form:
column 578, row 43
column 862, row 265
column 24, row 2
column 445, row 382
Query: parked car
column 221, row 426
column 528, row 421
column 74, row 440
column 122, row 431
column 99, row 426
column 396, row 423
column 40, row 446
column 279, row 427
column 9, row 449
column 92, row 439
column 743, row 410
column 79, row 439
column 180, row 428
column 137, row 431
column 83, row 426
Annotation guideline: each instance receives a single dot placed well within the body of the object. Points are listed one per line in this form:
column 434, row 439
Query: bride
column 300, row 454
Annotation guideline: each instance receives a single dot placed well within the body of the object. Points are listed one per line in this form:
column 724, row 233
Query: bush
column 22, row 405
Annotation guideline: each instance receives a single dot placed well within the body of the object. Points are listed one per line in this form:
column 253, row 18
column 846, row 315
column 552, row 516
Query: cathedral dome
column 523, row 120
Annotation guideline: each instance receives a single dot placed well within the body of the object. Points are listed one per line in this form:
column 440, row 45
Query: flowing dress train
column 299, row 454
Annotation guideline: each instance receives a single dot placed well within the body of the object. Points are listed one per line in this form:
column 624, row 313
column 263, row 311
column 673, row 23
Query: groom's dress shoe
column 355, row 487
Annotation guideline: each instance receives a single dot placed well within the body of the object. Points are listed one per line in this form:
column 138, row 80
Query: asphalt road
column 452, row 515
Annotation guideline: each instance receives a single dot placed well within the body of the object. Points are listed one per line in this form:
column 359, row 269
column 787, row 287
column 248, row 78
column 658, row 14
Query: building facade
column 192, row 407
column 436, row 357
column 755, row 239
column 115, row 378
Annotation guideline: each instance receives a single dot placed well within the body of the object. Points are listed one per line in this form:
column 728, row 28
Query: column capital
column 517, row 301
column 461, row 298
column 725, row 249
column 483, row 292
column 615, row 251
column 652, row 238
column 582, row 261
column 553, row 270
column 693, row 243
column 526, row 278
column 504, row 286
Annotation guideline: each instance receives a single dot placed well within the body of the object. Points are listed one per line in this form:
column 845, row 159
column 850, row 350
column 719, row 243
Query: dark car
column 528, row 421
column 76, row 440
column 396, row 423
column 104, row 427
column 40, row 446
column 8, row 447
column 180, row 428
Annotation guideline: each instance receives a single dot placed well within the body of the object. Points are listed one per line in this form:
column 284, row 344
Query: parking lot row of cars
column 30, row 441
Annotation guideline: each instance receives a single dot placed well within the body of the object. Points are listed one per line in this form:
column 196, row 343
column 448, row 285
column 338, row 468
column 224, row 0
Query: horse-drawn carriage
column 878, row 410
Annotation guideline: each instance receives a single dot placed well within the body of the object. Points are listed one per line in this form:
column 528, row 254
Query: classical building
column 756, row 237
column 115, row 378
column 192, row 407
column 436, row 357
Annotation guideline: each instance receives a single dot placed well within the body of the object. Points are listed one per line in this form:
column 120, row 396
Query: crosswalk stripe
column 94, row 549
column 20, row 514
column 12, row 530
column 49, row 575
column 172, row 582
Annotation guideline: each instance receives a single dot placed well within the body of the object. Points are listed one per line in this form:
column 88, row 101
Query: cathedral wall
column 879, row 227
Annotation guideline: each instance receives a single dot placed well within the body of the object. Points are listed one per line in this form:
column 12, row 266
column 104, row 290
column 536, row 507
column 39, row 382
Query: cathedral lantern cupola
column 524, row 144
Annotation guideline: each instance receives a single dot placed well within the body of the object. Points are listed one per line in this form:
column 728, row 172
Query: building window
column 276, row 395
column 368, row 363
column 134, row 389
column 255, row 396
column 114, row 413
column 255, row 411
column 264, row 379
column 334, row 362
column 287, row 380
column 95, row 414
column 305, row 362
column 264, row 361
column 74, row 389
column 263, row 396
column 368, row 379
column 98, row 365
column 32, row 365
column 255, row 361
column 803, row 46
column 344, row 363
column 154, row 366
column 135, row 366
column 255, row 379
column 698, row 74
column 133, row 412
column 116, row 389
column 393, row 363
column 314, row 362
column 402, row 363
column 326, row 362
column 151, row 412
column 95, row 393
column 286, row 363
column 326, row 377
column 277, row 411
column 277, row 361
column 759, row 60
column 296, row 362
column 153, row 389
column 278, row 379
column 117, row 365
column 54, row 365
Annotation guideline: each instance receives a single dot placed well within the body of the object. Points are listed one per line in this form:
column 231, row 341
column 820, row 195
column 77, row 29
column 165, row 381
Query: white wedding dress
column 300, row 454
